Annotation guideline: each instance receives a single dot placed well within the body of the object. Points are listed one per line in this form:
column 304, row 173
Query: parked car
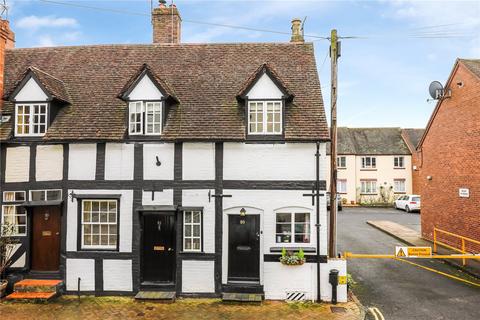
column 339, row 202
column 409, row 203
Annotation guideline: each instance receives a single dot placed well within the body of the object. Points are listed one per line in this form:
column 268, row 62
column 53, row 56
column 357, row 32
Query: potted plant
column 7, row 245
column 289, row 258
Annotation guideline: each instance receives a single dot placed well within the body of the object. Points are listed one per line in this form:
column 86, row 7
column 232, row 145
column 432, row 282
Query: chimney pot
column 297, row 34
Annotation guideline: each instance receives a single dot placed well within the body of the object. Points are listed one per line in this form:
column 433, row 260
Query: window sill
column 368, row 169
column 368, row 194
column 296, row 248
column 399, row 192
column 342, row 168
column 399, row 168
column 265, row 138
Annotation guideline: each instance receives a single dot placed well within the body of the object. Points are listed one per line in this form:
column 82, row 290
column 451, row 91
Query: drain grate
column 296, row 296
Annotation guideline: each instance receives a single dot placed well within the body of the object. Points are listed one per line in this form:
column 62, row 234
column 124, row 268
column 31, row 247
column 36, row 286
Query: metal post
column 317, row 197
column 463, row 251
column 333, row 146
column 434, row 240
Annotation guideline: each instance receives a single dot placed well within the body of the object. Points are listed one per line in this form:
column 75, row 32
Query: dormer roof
column 268, row 70
column 53, row 87
column 145, row 71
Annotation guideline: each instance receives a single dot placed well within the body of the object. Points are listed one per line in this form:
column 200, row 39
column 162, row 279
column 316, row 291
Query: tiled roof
column 473, row 65
column 204, row 77
column 412, row 136
column 370, row 141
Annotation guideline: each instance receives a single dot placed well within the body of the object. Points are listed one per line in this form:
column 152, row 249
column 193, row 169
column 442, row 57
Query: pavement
column 399, row 290
column 117, row 308
column 414, row 238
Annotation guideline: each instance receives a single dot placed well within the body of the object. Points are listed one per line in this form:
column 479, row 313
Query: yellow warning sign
column 413, row 252
column 342, row 279
column 400, row 252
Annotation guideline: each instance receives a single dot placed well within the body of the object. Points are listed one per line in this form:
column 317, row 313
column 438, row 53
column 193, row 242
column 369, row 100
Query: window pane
column 302, row 217
column 188, row 231
column 196, row 244
column 188, row 217
column 196, row 217
column 188, row 244
column 302, row 238
column 54, row 194
column 283, row 238
column 284, row 217
column 284, row 228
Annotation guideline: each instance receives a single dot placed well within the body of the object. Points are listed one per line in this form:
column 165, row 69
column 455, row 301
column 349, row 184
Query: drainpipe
column 317, row 225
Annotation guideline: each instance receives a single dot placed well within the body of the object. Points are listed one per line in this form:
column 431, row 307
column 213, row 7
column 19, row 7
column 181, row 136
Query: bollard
column 333, row 280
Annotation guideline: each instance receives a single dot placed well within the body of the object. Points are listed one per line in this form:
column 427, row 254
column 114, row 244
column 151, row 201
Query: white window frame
column 373, row 162
column 190, row 225
column 143, row 117
column 292, row 225
column 395, row 185
column 83, row 246
column 264, row 117
column 16, row 206
column 364, row 189
column 31, row 116
column 45, row 194
column 396, row 162
column 152, row 104
column 339, row 158
column 342, row 182
column 15, row 196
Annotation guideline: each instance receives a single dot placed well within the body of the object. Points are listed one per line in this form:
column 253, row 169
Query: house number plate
column 46, row 233
column 158, row 248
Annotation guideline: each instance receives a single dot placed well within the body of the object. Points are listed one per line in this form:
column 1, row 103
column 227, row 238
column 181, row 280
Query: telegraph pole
column 334, row 54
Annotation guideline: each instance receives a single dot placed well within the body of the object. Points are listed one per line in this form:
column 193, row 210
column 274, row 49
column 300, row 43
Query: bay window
column 145, row 117
column 31, row 119
column 264, row 117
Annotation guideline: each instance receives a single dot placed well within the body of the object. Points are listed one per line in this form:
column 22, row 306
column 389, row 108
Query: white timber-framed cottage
column 166, row 166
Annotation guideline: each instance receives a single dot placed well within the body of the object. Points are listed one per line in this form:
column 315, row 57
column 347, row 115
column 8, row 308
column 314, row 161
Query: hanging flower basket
column 290, row 258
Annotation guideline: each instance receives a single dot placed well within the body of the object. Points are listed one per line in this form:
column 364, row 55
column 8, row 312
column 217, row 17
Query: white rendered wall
column 266, row 203
column 199, row 198
column 163, row 198
column 117, row 275
column 198, row 276
column 280, row 279
column 49, row 163
column 125, row 218
column 264, row 88
column 17, row 166
column 289, row 161
column 80, row 268
column 82, row 161
column 326, row 287
column 31, row 91
column 119, row 160
column 198, row 161
column 165, row 153
column 145, row 90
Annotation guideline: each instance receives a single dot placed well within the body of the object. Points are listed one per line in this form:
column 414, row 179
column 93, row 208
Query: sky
column 399, row 47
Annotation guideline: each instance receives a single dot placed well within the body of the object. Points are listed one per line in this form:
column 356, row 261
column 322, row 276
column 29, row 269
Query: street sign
column 413, row 252
column 464, row 193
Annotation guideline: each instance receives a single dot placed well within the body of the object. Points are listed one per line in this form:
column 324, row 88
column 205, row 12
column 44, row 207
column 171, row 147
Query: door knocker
column 159, row 224
column 46, row 216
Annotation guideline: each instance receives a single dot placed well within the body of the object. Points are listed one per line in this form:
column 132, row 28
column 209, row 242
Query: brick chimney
column 7, row 41
column 166, row 24
column 297, row 33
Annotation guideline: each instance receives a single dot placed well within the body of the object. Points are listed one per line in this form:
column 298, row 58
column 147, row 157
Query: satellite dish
column 436, row 90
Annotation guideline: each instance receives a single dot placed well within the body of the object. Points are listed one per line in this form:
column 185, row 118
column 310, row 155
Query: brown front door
column 46, row 239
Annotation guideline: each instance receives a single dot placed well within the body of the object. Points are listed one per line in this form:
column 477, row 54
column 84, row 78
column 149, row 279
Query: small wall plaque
column 158, row 248
column 464, row 193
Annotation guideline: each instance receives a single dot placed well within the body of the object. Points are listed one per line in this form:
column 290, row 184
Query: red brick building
column 449, row 160
column 412, row 138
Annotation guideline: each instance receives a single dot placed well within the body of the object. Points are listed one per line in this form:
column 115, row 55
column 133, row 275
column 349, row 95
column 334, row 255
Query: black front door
column 244, row 248
column 158, row 260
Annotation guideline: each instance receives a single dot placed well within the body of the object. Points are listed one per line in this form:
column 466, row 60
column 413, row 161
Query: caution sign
column 413, row 252
column 342, row 279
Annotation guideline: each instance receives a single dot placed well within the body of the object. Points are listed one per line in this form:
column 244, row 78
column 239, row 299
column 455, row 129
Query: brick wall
column 416, row 175
column 7, row 41
column 451, row 157
column 166, row 24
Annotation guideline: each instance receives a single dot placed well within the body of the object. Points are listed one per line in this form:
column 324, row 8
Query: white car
column 408, row 203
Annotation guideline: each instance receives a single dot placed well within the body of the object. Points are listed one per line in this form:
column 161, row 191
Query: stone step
column 242, row 297
column 161, row 296
column 37, row 285
column 31, row 296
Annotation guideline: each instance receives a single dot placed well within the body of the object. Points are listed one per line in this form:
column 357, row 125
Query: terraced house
column 167, row 167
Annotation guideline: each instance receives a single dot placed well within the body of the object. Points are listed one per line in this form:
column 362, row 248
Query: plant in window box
column 289, row 258
column 7, row 245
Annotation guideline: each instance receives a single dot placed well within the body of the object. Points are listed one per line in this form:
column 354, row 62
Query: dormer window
column 148, row 99
column 265, row 97
column 31, row 119
column 265, row 117
column 145, row 117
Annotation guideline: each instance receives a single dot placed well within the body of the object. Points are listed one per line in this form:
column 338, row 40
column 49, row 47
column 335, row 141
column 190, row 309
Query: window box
column 289, row 258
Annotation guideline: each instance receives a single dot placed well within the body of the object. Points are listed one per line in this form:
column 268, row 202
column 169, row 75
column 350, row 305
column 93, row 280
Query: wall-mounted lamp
column 158, row 163
column 243, row 212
